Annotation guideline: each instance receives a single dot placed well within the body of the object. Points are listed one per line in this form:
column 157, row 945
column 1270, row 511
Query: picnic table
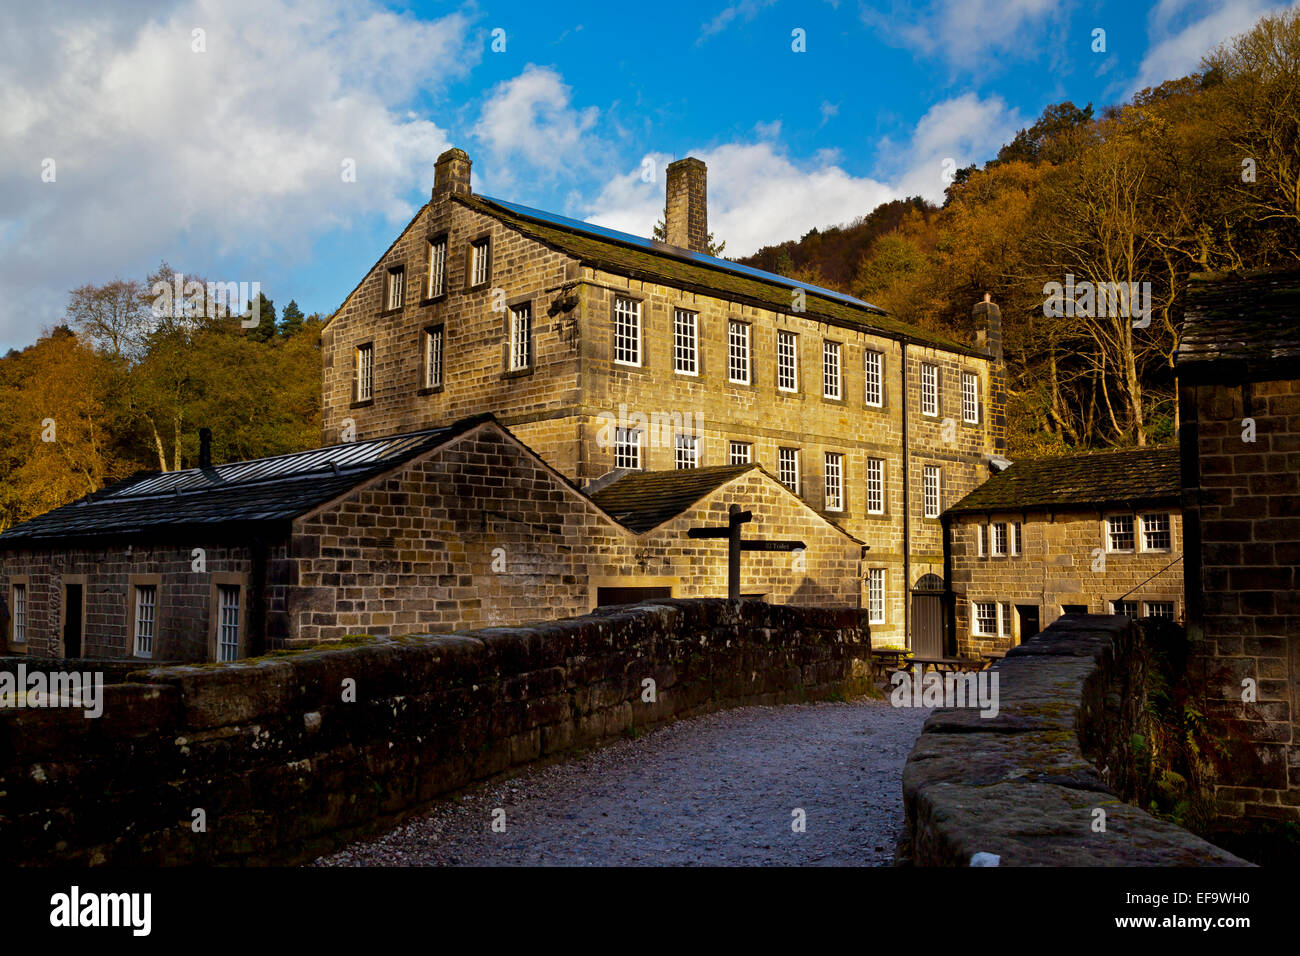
column 949, row 664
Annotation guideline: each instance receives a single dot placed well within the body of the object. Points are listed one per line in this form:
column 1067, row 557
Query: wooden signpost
column 736, row 518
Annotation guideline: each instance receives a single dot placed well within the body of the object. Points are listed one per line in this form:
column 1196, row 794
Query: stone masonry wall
column 285, row 769
column 1027, row 785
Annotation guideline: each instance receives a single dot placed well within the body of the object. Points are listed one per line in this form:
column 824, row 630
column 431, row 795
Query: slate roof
column 1138, row 475
column 1252, row 318
column 642, row 500
column 240, row 493
column 659, row 262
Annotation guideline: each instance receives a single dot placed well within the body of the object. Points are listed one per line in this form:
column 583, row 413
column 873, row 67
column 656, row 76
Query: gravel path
column 716, row 790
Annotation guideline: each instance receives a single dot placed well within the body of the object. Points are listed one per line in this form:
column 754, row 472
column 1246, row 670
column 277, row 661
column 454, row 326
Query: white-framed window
column 738, row 352
column 831, row 370
column 930, row 490
column 1015, row 538
column 787, row 361
column 146, row 616
column 875, row 486
column 1155, row 533
column 981, row 549
column 686, row 334
column 876, row 595
column 365, row 372
column 874, row 365
column 740, row 453
column 19, row 594
column 1158, row 609
column 480, row 254
column 627, row 448
column 396, row 288
column 984, row 618
column 228, row 622
column 788, row 467
column 1119, row 533
column 437, row 278
column 521, row 336
column 686, row 451
column 1127, row 608
column 433, row 357
column 1004, row 620
column 834, row 481
column 929, row 389
column 627, row 331
column 998, row 539
column 970, row 398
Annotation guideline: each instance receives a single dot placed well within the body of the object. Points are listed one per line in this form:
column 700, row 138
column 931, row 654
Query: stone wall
column 284, row 768
column 1034, row 784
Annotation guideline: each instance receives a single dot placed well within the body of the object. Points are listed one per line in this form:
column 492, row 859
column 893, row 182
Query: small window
column 738, row 352
column 979, row 539
column 437, row 279
column 396, row 288
column 19, row 593
column 875, row 486
column 1119, row 533
column 929, row 389
column 627, row 448
column 1127, row 608
column 984, row 618
column 433, row 357
column 228, row 622
column 788, row 468
column 875, row 375
column 365, row 372
column 930, row 491
column 686, row 327
column 998, row 539
column 876, row 595
column 970, row 398
column 834, row 481
column 686, row 453
column 1004, row 620
column 1015, row 538
column 831, row 370
column 146, row 612
column 740, row 453
column 787, row 361
column 627, row 331
column 480, row 266
column 1155, row 533
column 1159, row 609
column 521, row 336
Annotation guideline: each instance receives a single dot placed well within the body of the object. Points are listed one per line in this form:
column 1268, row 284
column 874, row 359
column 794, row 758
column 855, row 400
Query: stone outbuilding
column 431, row 531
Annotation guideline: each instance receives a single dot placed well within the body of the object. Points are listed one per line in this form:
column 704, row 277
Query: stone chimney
column 451, row 174
column 686, row 212
column 987, row 320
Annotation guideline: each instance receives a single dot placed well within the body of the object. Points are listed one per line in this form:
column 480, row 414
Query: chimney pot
column 205, row 447
column 451, row 174
column 686, row 211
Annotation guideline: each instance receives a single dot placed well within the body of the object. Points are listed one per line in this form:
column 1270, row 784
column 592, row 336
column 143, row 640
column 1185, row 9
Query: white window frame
column 627, row 448
column 832, row 371
column 834, row 484
column 932, row 475
column 740, row 452
column 970, row 398
column 225, row 626
column 18, row 600
column 788, row 468
column 433, row 347
column 738, row 352
column 686, row 451
column 981, row 549
column 1014, row 532
column 144, row 626
column 521, row 336
column 876, row 595
column 1167, row 531
column 873, row 368
column 437, row 275
column 686, row 342
column 627, row 331
column 875, row 486
column 1148, row 605
column 1111, row 522
column 929, row 390
column 977, row 620
column 365, row 361
column 480, row 261
column 395, row 291
column 998, row 539
column 787, row 361
column 1115, row 608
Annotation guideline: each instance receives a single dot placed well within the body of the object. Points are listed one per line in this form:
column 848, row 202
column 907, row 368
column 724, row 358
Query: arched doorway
column 926, row 639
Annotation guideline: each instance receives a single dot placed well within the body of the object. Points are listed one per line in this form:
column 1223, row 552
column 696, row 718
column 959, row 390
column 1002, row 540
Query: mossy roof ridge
column 642, row 500
column 1241, row 316
column 1092, row 478
column 669, row 270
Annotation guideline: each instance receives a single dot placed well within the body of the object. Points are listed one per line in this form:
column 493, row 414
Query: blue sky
column 213, row 133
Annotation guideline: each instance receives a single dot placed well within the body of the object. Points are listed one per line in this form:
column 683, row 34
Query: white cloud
column 952, row 134
column 163, row 151
column 1182, row 31
column 965, row 32
column 745, row 10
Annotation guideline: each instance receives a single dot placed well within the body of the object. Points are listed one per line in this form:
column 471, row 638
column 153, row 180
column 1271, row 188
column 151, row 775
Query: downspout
column 257, row 600
column 907, row 507
column 949, row 601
